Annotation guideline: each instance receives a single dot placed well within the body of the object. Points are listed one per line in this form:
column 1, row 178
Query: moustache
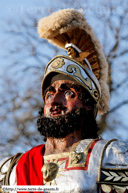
column 57, row 107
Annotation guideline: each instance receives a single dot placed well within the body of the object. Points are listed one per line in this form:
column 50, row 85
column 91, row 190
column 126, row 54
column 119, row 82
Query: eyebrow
column 49, row 89
column 64, row 86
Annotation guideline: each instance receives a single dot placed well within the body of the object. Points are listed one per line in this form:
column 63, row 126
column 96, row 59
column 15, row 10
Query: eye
column 49, row 95
column 69, row 93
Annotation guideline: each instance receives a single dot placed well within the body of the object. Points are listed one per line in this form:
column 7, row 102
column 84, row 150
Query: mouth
column 57, row 111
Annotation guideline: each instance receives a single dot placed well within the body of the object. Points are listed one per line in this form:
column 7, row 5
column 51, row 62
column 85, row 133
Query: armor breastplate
column 75, row 171
column 93, row 166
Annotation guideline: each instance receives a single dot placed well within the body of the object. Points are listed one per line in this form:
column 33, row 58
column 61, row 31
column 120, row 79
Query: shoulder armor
column 4, row 175
column 113, row 172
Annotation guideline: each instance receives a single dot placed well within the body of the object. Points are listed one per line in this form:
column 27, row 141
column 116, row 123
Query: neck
column 54, row 145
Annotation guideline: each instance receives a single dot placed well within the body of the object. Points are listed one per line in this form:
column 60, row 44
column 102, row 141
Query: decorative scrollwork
column 78, row 74
column 58, row 63
column 95, row 94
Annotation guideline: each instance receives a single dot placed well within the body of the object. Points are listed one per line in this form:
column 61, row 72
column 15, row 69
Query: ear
column 88, row 104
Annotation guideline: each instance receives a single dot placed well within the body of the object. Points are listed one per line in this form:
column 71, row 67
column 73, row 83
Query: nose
column 59, row 99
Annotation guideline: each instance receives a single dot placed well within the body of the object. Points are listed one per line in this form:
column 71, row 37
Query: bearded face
column 62, row 126
column 64, row 112
column 61, row 98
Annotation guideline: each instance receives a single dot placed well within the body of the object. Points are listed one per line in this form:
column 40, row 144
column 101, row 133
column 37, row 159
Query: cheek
column 46, row 110
column 74, row 104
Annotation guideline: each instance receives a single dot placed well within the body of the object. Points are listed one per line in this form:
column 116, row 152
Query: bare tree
column 113, row 21
column 27, row 55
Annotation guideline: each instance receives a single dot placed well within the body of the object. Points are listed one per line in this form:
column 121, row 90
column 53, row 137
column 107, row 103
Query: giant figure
column 74, row 91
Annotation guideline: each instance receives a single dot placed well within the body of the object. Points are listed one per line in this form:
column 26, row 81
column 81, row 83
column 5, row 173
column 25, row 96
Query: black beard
column 61, row 126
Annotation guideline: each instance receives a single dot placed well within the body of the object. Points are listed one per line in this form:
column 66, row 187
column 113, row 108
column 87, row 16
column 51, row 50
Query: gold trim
column 122, row 169
column 55, row 156
column 68, row 155
column 78, row 74
column 62, row 56
column 71, row 59
column 13, row 161
column 57, row 63
column 84, row 155
column 66, row 57
column 73, row 149
column 95, row 94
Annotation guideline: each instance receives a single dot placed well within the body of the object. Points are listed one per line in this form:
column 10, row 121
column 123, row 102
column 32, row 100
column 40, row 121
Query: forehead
column 58, row 83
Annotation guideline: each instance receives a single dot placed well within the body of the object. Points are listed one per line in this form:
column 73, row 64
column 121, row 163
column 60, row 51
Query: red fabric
column 28, row 170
